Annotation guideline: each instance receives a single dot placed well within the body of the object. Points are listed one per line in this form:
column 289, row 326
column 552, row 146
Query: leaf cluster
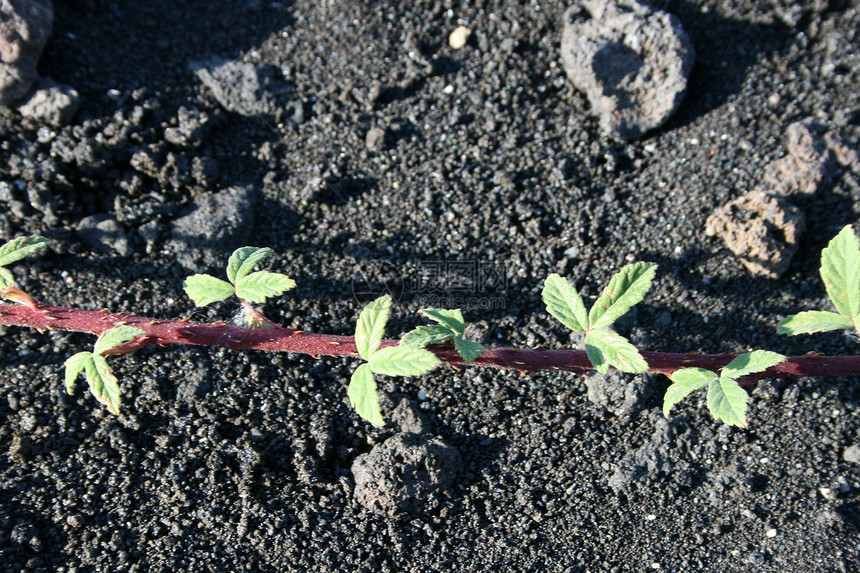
column 604, row 346
column 840, row 271
column 401, row 360
column 103, row 384
column 450, row 325
column 14, row 251
column 246, row 285
column 727, row 401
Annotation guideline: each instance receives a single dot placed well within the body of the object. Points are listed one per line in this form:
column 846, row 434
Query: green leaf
column 727, row 401
column 626, row 288
column 74, row 366
column 467, row 349
column 363, row 395
column 453, row 319
column 17, row 249
column 243, row 260
column 402, row 361
column 371, row 326
column 421, row 336
column 259, row 286
column 6, row 278
column 103, row 384
column 206, row 289
column 684, row 382
column 810, row 321
column 840, row 271
column 750, row 363
column 607, row 348
column 111, row 338
column 564, row 303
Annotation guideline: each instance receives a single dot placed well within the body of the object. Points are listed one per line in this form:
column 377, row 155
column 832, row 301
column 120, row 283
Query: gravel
column 464, row 177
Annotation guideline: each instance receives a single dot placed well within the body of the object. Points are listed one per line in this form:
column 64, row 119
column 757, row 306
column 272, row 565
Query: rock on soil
column 807, row 166
column 241, row 87
column 663, row 456
column 852, row 454
column 622, row 394
column 52, row 103
column 192, row 127
column 25, row 26
column 399, row 474
column 409, row 418
column 631, row 60
column 762, row 230
column 103, row 234
column 214, row 226
column 845, row 145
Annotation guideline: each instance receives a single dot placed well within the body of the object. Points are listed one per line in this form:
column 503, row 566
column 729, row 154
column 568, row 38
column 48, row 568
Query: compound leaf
column 363, row 395
column 17, row 249
column 6, row 278
column 402, row 361
column 453, row 319
column 607, row 348
column 206, row 289
column 421, row 336
column 810, row 321
column 74, row 366
column 750, row 363
column 840, row 271
column 259, row 286
column 243, row 260
column 626, row 288
column 727, row 401
column 684, row 382
column 371, row 326
column 103, row 383
column 467, row 349
column 564, row 303
column 117, row 336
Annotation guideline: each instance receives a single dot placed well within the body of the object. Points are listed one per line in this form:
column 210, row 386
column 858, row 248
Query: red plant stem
column 163, row 332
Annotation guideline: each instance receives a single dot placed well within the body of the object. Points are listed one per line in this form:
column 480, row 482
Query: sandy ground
column 387, row 154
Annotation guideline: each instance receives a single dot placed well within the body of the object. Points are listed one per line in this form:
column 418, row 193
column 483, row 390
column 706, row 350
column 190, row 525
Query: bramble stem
column 279, row 339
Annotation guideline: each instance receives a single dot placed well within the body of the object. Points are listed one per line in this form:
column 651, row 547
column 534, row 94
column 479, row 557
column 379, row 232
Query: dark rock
column 25, row 26
column 631, row 60
column 146, row 161
column 408, row 418
column 193, row 127
column 662, row 455
column 622, row 394
column 375, row 139
column 213, row 226
column 808, row 165
column 103, row 234
column 762, row 230
column 241, row 87
column 204, row 171
column 400, row 474
column 845, row 145
column 52, row 103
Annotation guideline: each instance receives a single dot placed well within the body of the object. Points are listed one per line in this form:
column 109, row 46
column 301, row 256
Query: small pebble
column 771, row 533
column 852, row 454
column 459, row 37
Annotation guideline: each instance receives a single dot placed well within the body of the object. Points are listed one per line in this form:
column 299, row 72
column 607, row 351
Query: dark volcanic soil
column 389, row 154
